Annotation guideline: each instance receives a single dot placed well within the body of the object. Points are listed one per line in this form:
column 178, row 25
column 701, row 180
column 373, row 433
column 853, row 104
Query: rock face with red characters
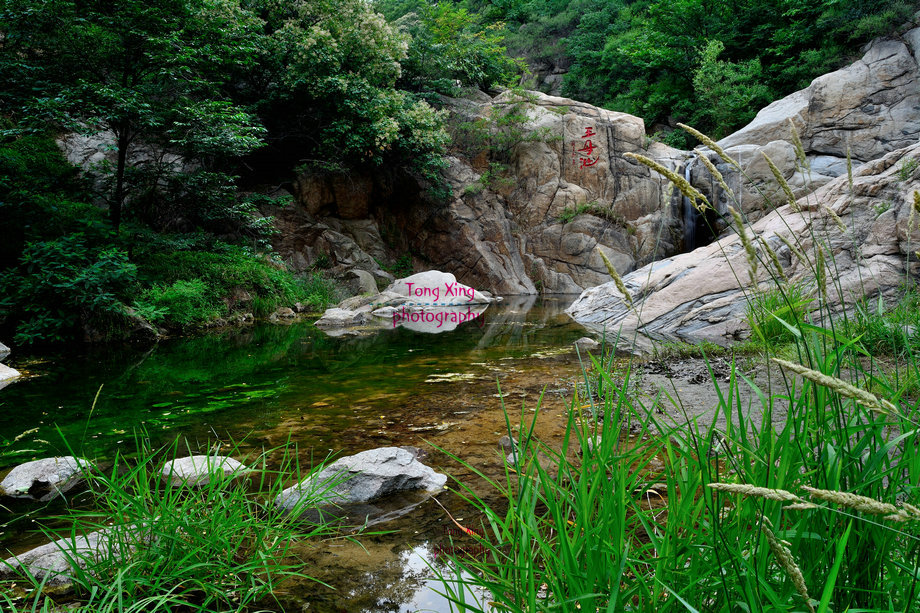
column 530, row 218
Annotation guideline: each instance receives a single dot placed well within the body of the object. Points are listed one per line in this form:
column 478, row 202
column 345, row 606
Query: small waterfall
column 691, row 217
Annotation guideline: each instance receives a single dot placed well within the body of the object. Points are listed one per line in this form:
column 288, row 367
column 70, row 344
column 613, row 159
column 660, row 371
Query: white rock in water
column 586, row 344
column 7, row 374
column 338, row 318
column 365, row 476
column 43, row 479
column 436, row 287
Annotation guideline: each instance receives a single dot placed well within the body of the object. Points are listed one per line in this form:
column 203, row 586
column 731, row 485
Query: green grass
column 579, row 534
column 221, row 546
column 773, row 313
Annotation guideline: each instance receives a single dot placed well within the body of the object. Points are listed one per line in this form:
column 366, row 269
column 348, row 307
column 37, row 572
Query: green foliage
column 183, row 302
column 884, row 330
column 214, row 546
column 325, row 87
column 147, row 71
column 729, row 93
column 401, row 268
column 450, row 49
column 496, row 177
column 592, row 208
column 61, row 284
column 658, row 59
column 191, row 285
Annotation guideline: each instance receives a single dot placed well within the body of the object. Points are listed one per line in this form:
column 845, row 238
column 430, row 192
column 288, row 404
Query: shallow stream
column 269, row 383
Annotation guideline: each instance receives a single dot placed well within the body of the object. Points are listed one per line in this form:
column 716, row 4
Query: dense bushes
column 64, row 273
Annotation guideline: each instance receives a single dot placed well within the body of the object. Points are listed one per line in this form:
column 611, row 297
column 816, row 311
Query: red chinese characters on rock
column 585, row 157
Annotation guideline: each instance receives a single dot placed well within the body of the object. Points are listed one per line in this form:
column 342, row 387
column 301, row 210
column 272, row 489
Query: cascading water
column 690, row 217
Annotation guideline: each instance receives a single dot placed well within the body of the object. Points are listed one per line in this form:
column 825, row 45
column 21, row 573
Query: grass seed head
column 714, row 172
column 748, row 246
column 797, row 143
column 696, row 196
column 850, row 169
column 853, row 501
column 774, row 258
column 787, row 562
column 711, row 144
column 782, row 182
column 617, row 280
column 867, row 399
column 758, row 492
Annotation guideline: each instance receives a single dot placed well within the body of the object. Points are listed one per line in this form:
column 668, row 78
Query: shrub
column 183, row 302
column 62, row 283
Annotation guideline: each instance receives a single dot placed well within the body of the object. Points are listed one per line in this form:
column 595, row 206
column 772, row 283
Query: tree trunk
column 118, row 199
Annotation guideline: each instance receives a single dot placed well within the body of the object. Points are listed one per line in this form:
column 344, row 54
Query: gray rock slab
column 56, row 562
column 7, row 374
column 44, row 479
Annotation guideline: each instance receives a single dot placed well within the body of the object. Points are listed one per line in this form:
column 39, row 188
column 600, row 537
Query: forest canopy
column 709, row 63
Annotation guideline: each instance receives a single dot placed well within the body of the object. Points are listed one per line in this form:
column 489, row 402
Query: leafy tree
column 148, row 71
column 728, row 93
column 449, row 47
column 325, row 86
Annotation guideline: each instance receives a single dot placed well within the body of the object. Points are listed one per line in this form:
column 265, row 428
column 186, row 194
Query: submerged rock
column 199, row 469
column 366, row 476
column 587, row 344
column 44, row 479
column 7, row 375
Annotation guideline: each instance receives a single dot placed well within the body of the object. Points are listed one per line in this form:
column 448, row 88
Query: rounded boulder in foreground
column 362, row 477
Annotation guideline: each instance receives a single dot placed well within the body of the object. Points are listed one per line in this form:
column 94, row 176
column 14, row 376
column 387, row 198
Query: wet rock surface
column 430, row 301
column 704, row 294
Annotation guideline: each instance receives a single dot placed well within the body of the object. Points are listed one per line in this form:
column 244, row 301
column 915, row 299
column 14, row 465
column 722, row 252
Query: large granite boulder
column 44, row 479
column 869, row 107
column 568, row 193
column 363, row 477
column 704, row 294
